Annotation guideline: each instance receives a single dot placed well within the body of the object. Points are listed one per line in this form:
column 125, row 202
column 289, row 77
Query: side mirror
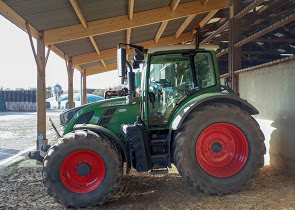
column 121, row 62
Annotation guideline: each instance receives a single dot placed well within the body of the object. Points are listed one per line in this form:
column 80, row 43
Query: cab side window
column 205, row 70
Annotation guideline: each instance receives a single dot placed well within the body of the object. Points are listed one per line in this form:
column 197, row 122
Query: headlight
column 66, row 117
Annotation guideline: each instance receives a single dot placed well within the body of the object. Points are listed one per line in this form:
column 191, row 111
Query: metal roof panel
column 102, row 9
column 144, row 5
column 172, row 27
column 110, row 40
column 76, row 47
column 45, row 15
column 144, row 33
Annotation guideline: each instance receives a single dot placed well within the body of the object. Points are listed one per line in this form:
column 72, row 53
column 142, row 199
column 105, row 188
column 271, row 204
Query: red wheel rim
column 86, row 179
column 222, row 150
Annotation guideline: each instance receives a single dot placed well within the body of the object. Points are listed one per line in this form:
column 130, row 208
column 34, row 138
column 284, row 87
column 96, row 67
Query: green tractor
column 180, row 115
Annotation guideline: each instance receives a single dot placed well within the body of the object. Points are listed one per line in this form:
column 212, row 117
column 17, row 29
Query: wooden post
column 70, row 84
column 84, row 95
column 234, row 53
column 41, row 90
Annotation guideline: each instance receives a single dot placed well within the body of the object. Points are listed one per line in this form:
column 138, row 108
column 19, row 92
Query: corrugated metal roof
column 49, row 14
column 76, row 47
column 111, row 40
column 101, row 9
column 44, row 15
column 89, row 65
column 144, row 5
column 172, row 27
column 144, row 33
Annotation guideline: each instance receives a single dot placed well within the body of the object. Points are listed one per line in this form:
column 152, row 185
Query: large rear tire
column 82, row 169
column 219, row 149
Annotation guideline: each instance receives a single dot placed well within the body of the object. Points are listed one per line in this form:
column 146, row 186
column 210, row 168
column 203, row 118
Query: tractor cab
column 171, row 75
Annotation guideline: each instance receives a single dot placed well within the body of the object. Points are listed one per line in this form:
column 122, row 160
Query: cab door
column 169, row 79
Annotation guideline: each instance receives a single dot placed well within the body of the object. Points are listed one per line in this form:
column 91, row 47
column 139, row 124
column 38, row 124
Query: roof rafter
column 130, row 9
column 266, row 30
column 160, row 31
column 128, row 35
column 163, row 26
column 79, row 13
column 239, row 15
column 207, row 19
column 187, row 21
column 101, row 69
column 111, row 53
column 174, row 5
column 119, row 23
column 83, row 20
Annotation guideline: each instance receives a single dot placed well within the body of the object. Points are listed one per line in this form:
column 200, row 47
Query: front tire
column 219, row 149
column 82, row 169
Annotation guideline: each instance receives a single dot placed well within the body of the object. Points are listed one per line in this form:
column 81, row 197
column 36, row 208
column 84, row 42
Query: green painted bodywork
column 124, row 114
column 127, row 114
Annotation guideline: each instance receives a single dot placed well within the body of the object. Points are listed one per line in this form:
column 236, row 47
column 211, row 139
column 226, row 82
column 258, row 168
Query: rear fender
column 204, row 100
column 101, row 130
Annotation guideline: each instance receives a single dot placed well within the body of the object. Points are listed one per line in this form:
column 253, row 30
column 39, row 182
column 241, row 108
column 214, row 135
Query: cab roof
column 181, row 47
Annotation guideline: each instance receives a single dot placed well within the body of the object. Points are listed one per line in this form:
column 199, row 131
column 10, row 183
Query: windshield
column 171, row 77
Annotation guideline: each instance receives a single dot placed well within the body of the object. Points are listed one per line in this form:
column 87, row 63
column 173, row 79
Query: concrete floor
column 18, row 133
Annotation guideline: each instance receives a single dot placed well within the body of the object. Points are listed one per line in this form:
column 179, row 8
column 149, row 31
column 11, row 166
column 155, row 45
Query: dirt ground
column 18, row 131
column 21, row 188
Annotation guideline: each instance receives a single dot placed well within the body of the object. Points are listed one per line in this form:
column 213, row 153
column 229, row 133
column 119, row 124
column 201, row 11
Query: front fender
column 111, row 136
column 185, row 109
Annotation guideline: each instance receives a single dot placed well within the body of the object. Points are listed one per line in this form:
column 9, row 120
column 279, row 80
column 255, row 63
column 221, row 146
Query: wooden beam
column 84, row 89
column 225, row 51
column 275, row 40
column 130, row 9
column 70, row 69
column 13, row 17
column 187, row 21
column 272, row 63
column 41, row 91
column 234, row 53
column 249, row 8
column 101, row 69
column 79, row 13
column 266, row 30
column 263, row 52
column 59, row 52
column 215, row 33
column 226, row 24
column 128, row 36
column 160, row 31
column 119, row 23
column 103, row 63
column 111, row 53
column 94, row 44
column 207, row 19
column 174, row 5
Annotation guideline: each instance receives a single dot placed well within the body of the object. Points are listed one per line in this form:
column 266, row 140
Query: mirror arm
column 129, row 66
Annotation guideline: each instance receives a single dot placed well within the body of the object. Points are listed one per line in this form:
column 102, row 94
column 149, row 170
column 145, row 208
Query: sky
column 18, row 67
